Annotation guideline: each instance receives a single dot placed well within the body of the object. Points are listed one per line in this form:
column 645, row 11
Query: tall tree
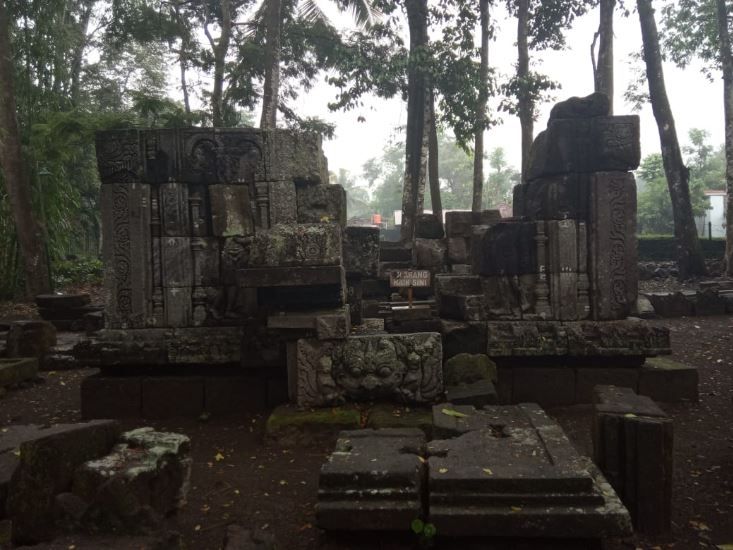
column 220, row 47
column 415, row 152
column 434, row 161
column 271, row 87
column 525, row 104
column 483, row 100
column 603, row 64
column 689, row 254
column 726, row 59
column 15, row 178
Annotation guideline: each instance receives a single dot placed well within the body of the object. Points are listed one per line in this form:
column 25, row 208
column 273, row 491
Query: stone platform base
column 184, row 394
column 659, row 378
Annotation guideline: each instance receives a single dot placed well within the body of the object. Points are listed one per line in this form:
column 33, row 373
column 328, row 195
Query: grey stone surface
column 668, row 381
column 231, row 210
column 477, row 394
column 587, row 378
column 30, row 339
column 144, row 479
column 285, row 246
column 429, row 253
column 283, row 202
column 48, row 460
column 429, row 226
column 372, row 481
column 326, row 325
column 126, row 248
column 671, row 304
column 459, row 250
column 402, row 368
column 597, row 144
column 321, row 204
column 511, row 470
column 361, row 251
column 633, row 446
column 239, row 538
column 16, row 370
column 466, row 368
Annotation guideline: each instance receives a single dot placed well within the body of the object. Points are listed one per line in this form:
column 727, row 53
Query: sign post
column 409, row 279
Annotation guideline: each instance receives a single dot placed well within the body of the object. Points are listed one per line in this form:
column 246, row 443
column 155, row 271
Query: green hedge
column 656, row 248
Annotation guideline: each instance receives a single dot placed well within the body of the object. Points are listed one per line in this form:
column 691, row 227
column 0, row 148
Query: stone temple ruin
column 233, row 284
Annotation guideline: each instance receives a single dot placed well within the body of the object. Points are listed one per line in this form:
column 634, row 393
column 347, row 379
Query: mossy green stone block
column 393, row 416
column 467, row 368
column 288, row 417
column 13, row 371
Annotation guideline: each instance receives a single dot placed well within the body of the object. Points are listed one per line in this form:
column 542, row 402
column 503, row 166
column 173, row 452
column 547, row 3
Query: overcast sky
column 696, row 102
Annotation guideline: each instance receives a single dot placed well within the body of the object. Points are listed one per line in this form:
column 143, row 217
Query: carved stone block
column 507, row 249
column 177, row 261
column 458, row 250
column 355, row 298
column 178, row 307
column 119, row 157
column 321, row 203
column 401, row 368
column 429, row 253
column 612, row 250
column 283, row 203
column 231, row 210
column 562, row 248
column 326, row 325
column 126, row 250
column 174, row 213
column 295, row 156
column 285, row 245
column 361, row 251
column 598, row 144
column 227, row 156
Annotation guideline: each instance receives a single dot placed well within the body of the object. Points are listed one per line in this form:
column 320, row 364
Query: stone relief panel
column 399, row 368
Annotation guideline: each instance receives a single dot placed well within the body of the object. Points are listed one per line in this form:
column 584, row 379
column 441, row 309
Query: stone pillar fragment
column 126, row 248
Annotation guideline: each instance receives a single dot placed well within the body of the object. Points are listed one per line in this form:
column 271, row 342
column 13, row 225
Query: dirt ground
column 239, row 479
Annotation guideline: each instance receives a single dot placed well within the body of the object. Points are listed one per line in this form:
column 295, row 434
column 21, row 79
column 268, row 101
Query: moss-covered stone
column 14, row 371
column 393, row 416
column 466, row 368
column 290, row 425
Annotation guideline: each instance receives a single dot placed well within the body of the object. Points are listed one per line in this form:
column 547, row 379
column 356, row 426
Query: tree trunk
column 78, row 57
column 417, row 17
column 433, row 170
column 483, row 98
column 726, row 57
column 184, row 83
column 220, row 54
column 689, row 254
column 28, row 229
column 603, row 68
column 524, row 101
column 271, row 88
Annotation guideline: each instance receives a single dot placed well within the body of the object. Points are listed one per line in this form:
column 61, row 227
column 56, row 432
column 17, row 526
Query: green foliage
column 691, row 31
column 501, row 181
column 77, row 271
column 707, row 171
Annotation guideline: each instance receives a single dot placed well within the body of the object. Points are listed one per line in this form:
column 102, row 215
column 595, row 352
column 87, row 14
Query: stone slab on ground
column 16, row 370
column 384, row 415
column 373, row 481
column 477, row 394
column 668, row 381
column 144, row 479
column 30, row 339
column 633, row 447
column 586, row 378
column 63, row 301
column 289, row 425
column 48, row 461
column 514, row 473
column 398, row 368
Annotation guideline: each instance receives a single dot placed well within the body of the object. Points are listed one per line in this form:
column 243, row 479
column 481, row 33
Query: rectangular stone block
column 429, row 253
column 355, row 299
column 172, row 396
column 506, row 466
column 234, row 394
column 394, row 252
column 326, row 325
column 178, row 307
column 285, row 246
column 174, row 212
column 119, row 156
column 459, row 250
column 321, row 204
column 403, row 368
column 231, row 210
column 597, row 144
column 291, row 277
column 294, row 156
column 548, row 386
column 126, row 250
column 361, row 251
column 502, row 297
column 218, row 155
column 462, row 307
column 668, row 381
column 462, row 337
column 373, row 481
column 177, row 262
column 587, row 378
column 204, row 345
column 111, row 397
column 612, row 251
column 16, row 370
column 633, row 446
column 206, row 258
column 507, row 248
column 283, row 202
column 558, row 197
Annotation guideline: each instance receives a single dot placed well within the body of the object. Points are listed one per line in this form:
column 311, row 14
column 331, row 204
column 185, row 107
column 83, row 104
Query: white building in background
column 713, row 221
